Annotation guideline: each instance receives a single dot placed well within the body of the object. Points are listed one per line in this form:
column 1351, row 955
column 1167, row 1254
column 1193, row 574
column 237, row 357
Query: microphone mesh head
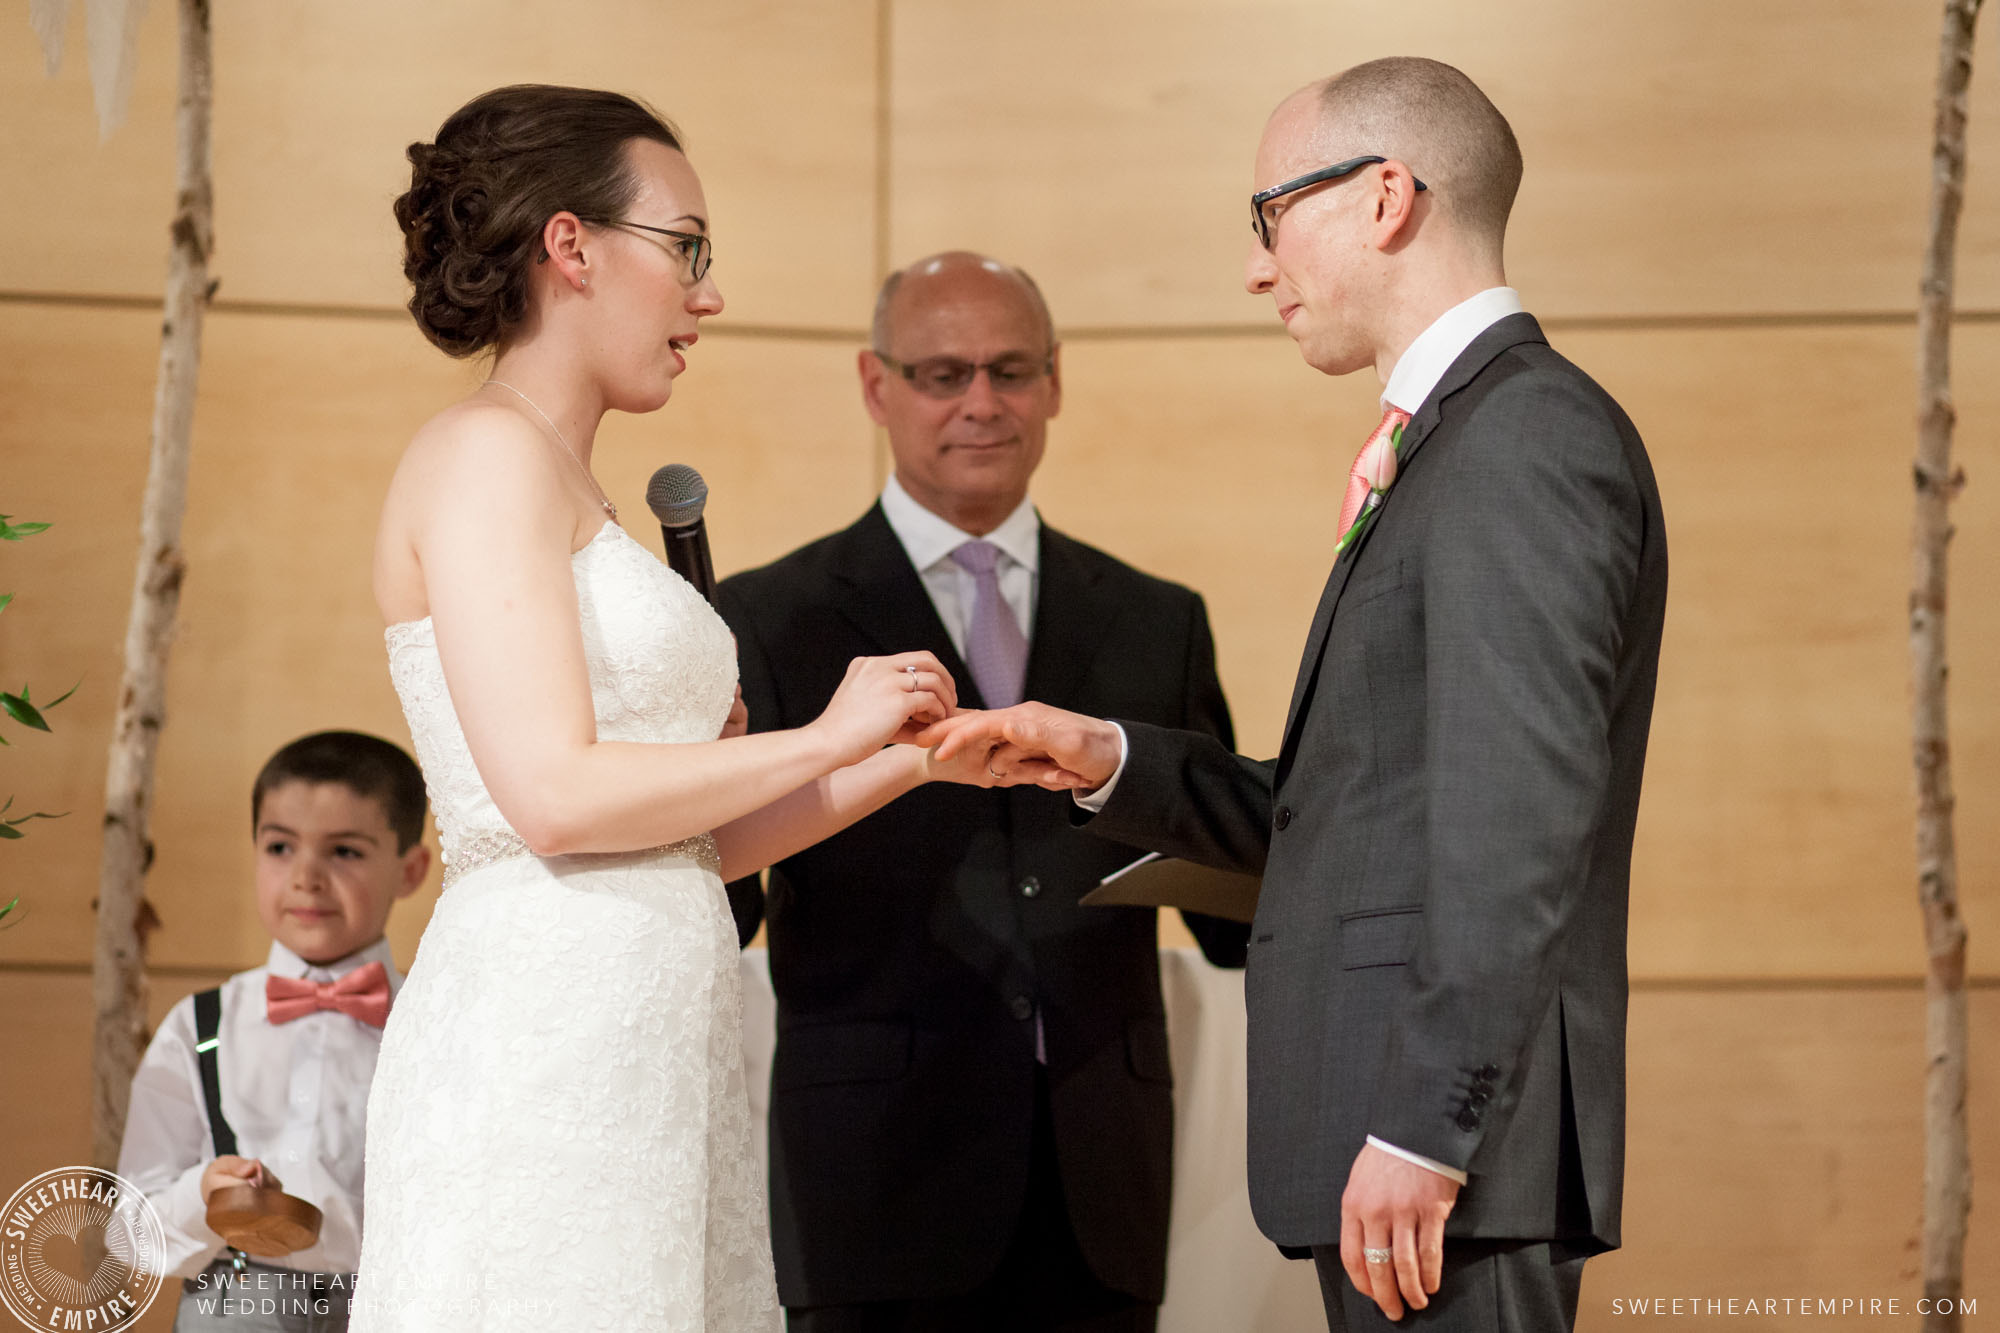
column 677, row 495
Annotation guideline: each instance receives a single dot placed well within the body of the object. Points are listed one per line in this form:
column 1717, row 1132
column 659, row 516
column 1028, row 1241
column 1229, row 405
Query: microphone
column 676, row 494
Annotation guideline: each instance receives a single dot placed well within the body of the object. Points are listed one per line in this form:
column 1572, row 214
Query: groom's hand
column 1394, row 1205
column 1032, row 743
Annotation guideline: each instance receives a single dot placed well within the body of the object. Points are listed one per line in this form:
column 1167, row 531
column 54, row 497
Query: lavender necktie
column 995, row 648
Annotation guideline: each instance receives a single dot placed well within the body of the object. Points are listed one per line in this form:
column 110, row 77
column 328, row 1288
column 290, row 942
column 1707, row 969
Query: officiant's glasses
column 950, row 376
column 1265, row 225
column 694, row 252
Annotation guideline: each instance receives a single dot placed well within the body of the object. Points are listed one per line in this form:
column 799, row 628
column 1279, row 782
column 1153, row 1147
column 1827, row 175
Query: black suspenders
column 207, row 1034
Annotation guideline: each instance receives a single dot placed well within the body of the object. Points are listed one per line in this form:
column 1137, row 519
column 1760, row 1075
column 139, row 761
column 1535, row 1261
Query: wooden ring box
column 263, row 1222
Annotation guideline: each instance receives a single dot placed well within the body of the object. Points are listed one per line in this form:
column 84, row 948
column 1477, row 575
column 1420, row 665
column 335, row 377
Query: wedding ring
column 912, row 673
column 1374, row 1256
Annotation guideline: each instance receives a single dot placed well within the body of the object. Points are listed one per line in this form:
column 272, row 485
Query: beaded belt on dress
column 486, row 849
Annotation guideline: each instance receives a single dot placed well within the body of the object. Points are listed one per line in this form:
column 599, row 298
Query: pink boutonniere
column 1377, row 466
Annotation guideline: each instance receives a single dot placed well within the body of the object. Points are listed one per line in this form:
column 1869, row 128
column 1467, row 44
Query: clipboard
column 1166, row 881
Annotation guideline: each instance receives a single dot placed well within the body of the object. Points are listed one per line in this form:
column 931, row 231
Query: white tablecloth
column 1221, row 1274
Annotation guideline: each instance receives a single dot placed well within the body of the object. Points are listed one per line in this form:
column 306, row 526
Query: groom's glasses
column 1265, row 225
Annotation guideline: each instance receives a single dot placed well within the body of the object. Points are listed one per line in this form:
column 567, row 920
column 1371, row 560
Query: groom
column 1436, row 979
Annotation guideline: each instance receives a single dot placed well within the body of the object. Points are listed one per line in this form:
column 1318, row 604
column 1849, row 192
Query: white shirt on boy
column 295, row 1093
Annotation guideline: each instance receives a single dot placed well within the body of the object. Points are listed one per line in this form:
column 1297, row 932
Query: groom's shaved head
column 1438, row 123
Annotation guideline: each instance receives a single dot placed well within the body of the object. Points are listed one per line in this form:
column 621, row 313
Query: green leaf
column 15, row 531
column 64, row 695
column 9, row 831
column 5, row 597
column 8, row 908
column 18, row 708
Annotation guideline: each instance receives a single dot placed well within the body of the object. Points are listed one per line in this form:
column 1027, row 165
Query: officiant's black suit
column 912, row 954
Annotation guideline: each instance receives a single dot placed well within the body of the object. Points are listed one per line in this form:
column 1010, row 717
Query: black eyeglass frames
column 950, row 376
column 1263, row 225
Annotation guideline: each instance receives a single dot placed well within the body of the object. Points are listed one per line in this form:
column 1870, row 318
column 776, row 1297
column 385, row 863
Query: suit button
column 1031, row 887
column 1023, row 1007
column 1468, row 1119
column 1478, row 1099
column 1489, row 1072
column 1283, row 818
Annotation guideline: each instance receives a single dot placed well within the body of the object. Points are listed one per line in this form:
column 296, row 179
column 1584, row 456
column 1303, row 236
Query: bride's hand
column 886, row 699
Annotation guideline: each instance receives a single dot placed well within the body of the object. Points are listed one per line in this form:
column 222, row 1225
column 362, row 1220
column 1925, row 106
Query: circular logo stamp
column 79, row 1248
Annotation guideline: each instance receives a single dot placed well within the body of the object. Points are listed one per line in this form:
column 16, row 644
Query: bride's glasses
column 694, row 252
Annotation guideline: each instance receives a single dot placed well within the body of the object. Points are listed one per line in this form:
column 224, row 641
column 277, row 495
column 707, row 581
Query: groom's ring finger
column 1380, row 1260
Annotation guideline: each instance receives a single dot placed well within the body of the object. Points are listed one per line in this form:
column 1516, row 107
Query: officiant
column 971, row 1104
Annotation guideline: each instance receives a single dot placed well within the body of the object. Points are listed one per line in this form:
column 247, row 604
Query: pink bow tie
column 362, row 994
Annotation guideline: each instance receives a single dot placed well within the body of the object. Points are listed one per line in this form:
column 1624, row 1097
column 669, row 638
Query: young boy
column 338, row 820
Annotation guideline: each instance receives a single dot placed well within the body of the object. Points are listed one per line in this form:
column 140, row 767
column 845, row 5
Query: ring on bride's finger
column 1375, row 1256
column 912, row 673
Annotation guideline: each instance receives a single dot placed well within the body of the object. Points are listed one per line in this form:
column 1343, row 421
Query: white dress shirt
column 1417, row 372
column 1424, row 362
column 295, row 1093
column 929, row 541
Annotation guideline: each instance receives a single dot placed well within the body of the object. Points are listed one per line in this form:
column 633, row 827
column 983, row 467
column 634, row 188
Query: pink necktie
column 1357, row 476
column 362, row 994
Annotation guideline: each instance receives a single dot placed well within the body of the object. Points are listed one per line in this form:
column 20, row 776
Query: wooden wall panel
column 1775, row 837
column 1774, row 1140
column 279, row 632
column 315, row 105
column 1776, row 834
column 91, row 215
column 1699, row 157
column 1774, row 1148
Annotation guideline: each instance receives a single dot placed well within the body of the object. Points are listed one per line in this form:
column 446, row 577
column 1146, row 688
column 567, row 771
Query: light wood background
column 1721, row 220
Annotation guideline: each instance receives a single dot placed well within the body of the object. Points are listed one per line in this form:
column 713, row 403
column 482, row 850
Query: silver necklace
column 602, row 498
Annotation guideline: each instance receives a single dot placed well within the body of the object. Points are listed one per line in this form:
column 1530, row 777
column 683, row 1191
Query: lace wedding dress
column 558, row 1133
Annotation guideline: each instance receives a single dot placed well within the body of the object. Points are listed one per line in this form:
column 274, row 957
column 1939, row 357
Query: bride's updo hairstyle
column 479, row 196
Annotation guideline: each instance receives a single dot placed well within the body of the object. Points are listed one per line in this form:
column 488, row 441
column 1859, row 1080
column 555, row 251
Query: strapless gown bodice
column 662, row 669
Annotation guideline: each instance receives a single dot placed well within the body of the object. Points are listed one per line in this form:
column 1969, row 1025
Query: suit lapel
column 1503, row 334
column 887, row 601
column 1072, row 611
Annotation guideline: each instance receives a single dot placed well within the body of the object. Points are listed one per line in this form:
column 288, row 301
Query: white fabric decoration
column 49, row 19
column 114, row 58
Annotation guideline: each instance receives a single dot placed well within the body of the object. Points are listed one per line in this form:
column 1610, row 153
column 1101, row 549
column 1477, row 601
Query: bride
column 558, row 1134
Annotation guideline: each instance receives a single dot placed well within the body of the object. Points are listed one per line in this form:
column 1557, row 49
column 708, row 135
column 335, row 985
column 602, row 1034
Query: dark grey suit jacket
column 1438, row 957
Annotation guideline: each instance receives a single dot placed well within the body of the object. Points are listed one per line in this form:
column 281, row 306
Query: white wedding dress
column 558, row 1133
